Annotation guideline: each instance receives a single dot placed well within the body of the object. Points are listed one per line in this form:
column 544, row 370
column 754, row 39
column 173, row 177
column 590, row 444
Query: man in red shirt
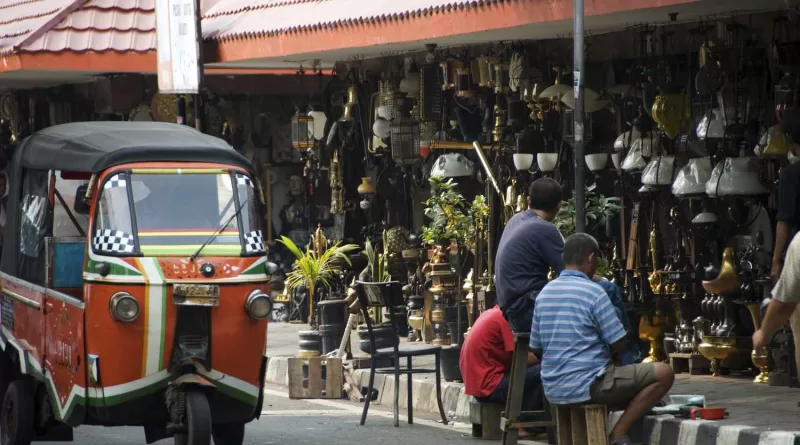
column 486, row 363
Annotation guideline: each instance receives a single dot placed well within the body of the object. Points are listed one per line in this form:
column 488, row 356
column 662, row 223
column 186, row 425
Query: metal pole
column 580, row 151
column 199, row 106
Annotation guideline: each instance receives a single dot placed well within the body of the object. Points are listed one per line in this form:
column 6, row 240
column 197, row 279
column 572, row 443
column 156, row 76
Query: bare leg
column 643, row 402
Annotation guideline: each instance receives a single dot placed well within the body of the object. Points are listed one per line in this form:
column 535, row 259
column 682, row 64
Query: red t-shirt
column 487, row 353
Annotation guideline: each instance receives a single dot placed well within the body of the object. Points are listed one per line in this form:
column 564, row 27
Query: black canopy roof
column 96, row 146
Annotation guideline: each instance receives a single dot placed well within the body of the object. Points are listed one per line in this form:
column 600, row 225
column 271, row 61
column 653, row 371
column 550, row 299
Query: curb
column 652, row 430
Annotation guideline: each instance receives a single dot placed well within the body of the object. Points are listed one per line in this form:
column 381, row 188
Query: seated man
column 485, row 363
column 578, row 336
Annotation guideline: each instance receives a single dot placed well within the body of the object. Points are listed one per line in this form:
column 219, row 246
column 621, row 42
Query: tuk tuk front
column 134, row 285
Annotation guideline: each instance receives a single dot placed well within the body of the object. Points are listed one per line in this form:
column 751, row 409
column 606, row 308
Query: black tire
column 16, row 415
column 229, row 434
column 198, row 421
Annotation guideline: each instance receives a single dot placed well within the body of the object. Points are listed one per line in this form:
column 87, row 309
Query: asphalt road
column 311, row 422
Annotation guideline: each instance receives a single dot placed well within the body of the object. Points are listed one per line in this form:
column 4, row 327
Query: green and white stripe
column 155, row 311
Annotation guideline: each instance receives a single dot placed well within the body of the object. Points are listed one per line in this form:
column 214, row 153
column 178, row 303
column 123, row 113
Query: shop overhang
column 52, row 42
column 286, row 34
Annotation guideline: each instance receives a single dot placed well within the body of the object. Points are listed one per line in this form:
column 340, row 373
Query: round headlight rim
column 114, row 302
column 248, row 305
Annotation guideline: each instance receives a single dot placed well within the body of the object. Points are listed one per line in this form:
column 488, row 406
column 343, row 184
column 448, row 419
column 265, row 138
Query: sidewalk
column 758, row 414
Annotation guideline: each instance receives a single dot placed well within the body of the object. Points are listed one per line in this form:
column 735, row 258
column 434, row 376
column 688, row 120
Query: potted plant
column 598, row 210
column 451, row 229
column 311, row 270
column 376, row 271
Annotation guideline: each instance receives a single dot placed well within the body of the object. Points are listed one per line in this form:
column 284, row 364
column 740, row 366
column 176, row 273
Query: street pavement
column 308, row 422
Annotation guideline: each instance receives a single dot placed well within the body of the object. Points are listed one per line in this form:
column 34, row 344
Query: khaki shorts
column 620, row 384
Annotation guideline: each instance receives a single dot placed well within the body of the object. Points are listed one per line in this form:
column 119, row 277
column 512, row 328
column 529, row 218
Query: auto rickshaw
column 134, row 285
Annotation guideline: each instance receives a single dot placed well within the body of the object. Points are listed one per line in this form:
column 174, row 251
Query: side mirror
column 271, row 268
column 81, row 206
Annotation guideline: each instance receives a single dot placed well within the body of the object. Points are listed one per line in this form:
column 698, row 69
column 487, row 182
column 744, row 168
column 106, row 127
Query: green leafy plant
column 377, row 262
column 309, row 269
column 598, row 209
column 448, row 214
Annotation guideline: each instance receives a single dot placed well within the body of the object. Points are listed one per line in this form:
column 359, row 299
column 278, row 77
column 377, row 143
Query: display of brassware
column 726, row 352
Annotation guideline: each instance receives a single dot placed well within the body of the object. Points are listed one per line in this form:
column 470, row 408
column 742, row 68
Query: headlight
column 258, row 305
column 123, row 307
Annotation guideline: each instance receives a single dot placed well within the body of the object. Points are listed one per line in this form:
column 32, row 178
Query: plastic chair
column 389, row 295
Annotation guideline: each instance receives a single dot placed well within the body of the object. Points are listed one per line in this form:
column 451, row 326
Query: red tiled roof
column 231, row 19
column 77, row 26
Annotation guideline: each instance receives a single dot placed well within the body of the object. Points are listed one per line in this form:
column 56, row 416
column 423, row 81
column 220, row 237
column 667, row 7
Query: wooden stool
column 485, row 419
column 510, row 423
column 582, row 424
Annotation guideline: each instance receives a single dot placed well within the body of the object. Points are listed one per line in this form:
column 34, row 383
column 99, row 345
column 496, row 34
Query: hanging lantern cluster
column 405, row 133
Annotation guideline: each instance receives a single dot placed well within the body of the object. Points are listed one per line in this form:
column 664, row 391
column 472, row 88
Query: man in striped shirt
column 577, row 334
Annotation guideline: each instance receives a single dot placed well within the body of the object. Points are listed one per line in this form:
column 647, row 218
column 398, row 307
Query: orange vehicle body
column 94, row 369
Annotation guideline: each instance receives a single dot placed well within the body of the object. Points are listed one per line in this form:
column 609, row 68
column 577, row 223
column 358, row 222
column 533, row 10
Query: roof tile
column 230, row 19
column 96, row 25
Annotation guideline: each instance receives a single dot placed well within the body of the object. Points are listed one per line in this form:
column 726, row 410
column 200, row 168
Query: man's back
column 486, row 354
column 574, row 324
column 529, row 247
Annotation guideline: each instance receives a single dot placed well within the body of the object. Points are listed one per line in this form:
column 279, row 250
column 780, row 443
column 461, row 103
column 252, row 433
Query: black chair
column 389, row 295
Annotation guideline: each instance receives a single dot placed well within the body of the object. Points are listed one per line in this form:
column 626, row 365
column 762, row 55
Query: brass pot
column 730, row 352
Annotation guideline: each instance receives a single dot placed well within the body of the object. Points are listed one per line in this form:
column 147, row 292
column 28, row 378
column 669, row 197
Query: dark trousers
column 520, row 314
column 533, row 396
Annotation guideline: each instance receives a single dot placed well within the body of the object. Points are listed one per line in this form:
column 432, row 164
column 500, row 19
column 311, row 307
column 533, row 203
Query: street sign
column 178, row 46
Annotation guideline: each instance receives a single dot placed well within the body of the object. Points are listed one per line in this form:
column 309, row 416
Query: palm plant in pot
column 315, row 269
column 450, row 229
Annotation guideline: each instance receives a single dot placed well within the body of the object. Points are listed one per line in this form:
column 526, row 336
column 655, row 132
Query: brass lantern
column 302, row 131
column 404, row 134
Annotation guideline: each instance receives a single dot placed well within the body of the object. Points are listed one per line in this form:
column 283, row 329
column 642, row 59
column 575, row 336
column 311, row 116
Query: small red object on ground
column 708, row 413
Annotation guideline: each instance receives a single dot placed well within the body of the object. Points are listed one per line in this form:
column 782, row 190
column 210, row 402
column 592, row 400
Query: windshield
column 173, row 212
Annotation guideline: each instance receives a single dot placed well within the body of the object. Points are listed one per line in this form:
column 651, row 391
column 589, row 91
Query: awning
column 283, row 33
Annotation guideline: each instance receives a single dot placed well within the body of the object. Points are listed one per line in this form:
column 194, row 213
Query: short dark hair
column 578, row 247
column 545, row 194
column 790, row 125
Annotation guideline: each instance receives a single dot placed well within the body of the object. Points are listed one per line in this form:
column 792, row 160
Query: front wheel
column 229, row 434
column 16, row 418
column 198, row 421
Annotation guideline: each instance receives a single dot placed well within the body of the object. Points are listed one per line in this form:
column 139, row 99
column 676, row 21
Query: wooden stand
column 485, row 419
column 582, row 425
column 315, row 387
column 510, row 423
column 687, row 362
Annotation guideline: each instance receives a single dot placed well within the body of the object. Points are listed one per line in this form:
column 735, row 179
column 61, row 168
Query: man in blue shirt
column 530, row 246
column 578, row 336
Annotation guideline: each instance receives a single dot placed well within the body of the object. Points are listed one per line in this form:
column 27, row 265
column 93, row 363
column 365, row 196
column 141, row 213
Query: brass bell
column 522, row 203
column 511, row 194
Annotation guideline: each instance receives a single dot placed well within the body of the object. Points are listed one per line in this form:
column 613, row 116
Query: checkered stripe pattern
column 243, row 180
column 254, row 242
column 113, row 241
column 117, row 180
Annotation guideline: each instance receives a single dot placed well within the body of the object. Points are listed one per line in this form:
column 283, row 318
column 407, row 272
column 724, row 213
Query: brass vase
column 652, row 330
column 759, row 356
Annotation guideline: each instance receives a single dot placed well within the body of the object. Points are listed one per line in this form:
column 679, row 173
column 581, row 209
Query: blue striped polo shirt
column 574, row 324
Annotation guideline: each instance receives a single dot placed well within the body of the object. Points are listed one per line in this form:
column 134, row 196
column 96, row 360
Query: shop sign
column 178, row 46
